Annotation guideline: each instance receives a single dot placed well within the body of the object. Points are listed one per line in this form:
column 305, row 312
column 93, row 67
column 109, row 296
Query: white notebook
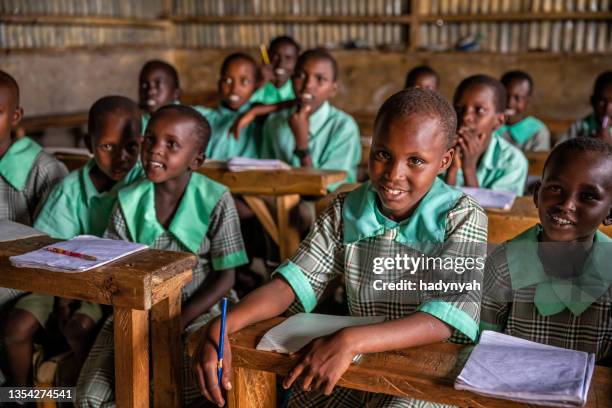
column 297, row 331
column 507, row 367
column 244, row 163
column 104, row 250
column 488, row 198
column 11, row 231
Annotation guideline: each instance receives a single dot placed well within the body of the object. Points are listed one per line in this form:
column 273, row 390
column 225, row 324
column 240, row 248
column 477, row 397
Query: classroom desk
column 147, row 281
column 426, row 372
column 536, row 162
column 285, row 185
column 504, row 225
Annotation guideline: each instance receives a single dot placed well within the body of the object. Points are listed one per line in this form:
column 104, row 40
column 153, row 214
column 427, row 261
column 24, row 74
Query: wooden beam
column 288, row 233
column 518, row 17
column 86, row 21
column 131, row 336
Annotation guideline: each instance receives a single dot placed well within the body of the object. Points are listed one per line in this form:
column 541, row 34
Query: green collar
column 190, row 222
column 286, row 90
column 553, row 294
column 427, row 225
column 523, row 130
column 17, row 162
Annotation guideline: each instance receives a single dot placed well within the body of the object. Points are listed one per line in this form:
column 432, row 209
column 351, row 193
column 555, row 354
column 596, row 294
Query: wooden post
column 288, row 233
column 252, row 389
column 414, row 26
column 168, row 351
column 131, row 335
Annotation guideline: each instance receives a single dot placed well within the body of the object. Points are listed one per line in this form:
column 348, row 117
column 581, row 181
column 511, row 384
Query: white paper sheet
column 11, row 231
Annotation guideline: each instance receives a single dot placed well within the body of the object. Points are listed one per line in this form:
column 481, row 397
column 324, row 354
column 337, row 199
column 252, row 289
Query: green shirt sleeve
column 343, row 151
column 513, row 175
column 59, row 216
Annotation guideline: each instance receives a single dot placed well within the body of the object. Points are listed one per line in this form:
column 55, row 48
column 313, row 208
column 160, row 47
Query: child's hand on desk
column 204, row 363
column 324, row 361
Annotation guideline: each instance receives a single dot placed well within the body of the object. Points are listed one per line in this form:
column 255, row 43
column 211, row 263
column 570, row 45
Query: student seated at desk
column 552, row 283
column 423, row 76
column 525, row 132
column 482, row 158
column 79, row 204
column 27, row 174
column 314, row 133
column 237, row 81
column 173, row 209
column 599, row 122
column 284, row 51
column 403, row 209
column 158, row 85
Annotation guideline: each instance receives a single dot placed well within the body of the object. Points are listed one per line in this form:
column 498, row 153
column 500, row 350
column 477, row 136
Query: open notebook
column 244, row 163
column 297, row 331
column 507, row 367
column 104, row 250
column 487, row 198
column 10, row 231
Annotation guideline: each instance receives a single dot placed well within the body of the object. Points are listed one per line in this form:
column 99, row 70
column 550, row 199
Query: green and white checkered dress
column 345, row 243
column 509, row 303
column 222, row 241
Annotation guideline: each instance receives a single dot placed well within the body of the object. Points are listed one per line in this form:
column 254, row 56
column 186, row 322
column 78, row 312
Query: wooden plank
column 131, row 336
column 536, row 162
column 504, row 225
column 252, row 388
column 426, row 372
column 533, row 16
column 89, row 21
column 127, row 282
column 302, row 181
column 263, row 215
column 72, row 161
column 167, row 351
column 289, row 234
column 292, row 18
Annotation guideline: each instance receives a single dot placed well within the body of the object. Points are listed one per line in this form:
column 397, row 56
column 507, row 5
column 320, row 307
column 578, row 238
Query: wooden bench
column 148, row 281
column 426, row 372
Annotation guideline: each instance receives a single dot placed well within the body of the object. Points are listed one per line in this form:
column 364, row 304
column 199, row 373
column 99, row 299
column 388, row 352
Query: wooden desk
column 504, row 225
column 40, row 123
column 426, row 372
column 536, row 162
column 149, row 280
column 285, row 185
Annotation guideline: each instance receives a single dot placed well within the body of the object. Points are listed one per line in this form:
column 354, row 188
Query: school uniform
column 74, row 207
column 348, row 237
column 529, row 134
column 268, row 94
column 584, row 127
column 205, row 224
column 501, row 167
column 27, row 174
column 333, row 140
column 522, row 300
column 224, row 146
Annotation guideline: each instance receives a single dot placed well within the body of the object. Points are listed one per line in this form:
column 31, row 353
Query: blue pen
column 221, row 341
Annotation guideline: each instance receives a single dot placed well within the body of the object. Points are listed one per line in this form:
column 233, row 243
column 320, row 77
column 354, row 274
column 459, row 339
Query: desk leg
column 167, row 352
column 131, row 335
column 288, row 234
column 252, row 389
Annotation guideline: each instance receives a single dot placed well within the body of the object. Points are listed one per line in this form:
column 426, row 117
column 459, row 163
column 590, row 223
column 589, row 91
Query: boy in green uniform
column 284, row 52
column 403, row 210
column 525, row 132
column 27, row 174
column 482, row 158
column 237, row 82
column 598, row 123
column 173, row 208
column 80, row 204
column 158, row 85
column 552, row 283
column 314, row 133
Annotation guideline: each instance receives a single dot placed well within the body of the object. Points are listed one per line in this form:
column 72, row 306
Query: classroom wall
column 67, row 82
column 563, row 84
column 72, row 81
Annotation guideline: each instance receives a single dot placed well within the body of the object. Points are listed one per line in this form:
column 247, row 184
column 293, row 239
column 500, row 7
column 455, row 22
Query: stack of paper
column 10, row 231
column 487, row 198
column 103, row 250
column 507, row 367
column 244, row 163
column 300, row 329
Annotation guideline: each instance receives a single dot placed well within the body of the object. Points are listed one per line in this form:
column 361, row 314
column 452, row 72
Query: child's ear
column 197, row 161
column 608, row 220
column 17, row 116
column 536, row 191
column 447, row 159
